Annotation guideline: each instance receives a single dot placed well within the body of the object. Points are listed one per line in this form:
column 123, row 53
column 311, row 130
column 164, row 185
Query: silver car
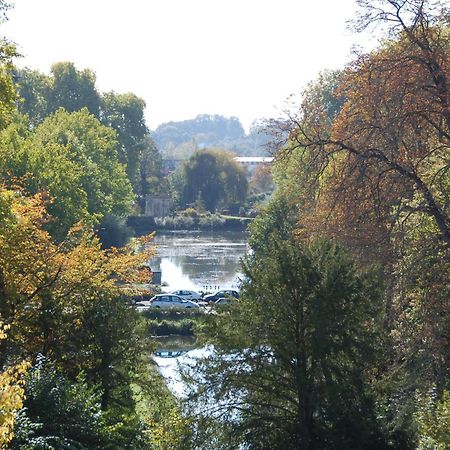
column 168, row 301
column 187, row 295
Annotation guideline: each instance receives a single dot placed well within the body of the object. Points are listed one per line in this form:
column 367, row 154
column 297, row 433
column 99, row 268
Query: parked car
column 168, row 301
column 224, row 293
column 187, row 295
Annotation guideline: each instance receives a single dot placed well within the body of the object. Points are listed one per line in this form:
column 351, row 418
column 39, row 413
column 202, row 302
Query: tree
column 262, row 180
column 292, row 357
column 67, row 301
column 388, row 147
column 46, row 287
column 7, row 90
column 150, row 169
column 72, row 89
column 59, row 413
column 73, row 158
column 125, row 114
column 11, row 396
column 215, row 178
column 33, row 88
column 375, row 177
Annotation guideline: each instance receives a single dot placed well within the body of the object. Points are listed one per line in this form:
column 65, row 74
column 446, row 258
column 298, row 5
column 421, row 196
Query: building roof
column 253, row 159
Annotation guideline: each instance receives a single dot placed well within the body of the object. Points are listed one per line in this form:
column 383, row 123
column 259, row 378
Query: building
column 158, row 205
column 250, row 163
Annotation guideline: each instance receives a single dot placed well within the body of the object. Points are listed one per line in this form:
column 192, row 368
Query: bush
column 58, row 413
column 185, row 327
column 433, row 420
column 113, row 232
column 190, row 219
column 172, row 314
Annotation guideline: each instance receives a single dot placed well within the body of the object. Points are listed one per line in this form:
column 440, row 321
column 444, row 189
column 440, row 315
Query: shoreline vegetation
column 171, row 323
column 189, row 220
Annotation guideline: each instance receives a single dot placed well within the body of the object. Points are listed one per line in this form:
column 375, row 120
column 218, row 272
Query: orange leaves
column 385, row 156
column 43, row 281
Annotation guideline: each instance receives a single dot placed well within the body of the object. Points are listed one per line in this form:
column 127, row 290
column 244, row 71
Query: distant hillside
column 178, row 140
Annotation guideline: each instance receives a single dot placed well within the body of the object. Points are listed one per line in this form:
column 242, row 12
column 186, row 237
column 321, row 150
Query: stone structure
column 158, row 205
column 250, row 163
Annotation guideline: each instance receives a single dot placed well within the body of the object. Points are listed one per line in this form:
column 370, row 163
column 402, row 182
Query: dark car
column 224, row 293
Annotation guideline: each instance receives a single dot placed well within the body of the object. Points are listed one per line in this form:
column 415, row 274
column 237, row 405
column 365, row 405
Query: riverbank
column 172, row 322
column 189, row 220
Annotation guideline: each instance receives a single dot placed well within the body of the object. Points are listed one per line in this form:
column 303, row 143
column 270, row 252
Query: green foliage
column 292, row 357
column 73, row 90
column 73, row 158
column 58, row 413
column 323, row 95
column 34, row 91
column 7, row 89
column 433, row 420
column 276, row 221
column 125, row 114
column 213, row 177
column 150, row 178
column 113, row 343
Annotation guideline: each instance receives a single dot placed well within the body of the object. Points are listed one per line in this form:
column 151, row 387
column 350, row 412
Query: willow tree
column 213, row 178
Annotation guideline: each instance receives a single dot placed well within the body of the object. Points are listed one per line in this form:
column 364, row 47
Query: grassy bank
column 172, row 322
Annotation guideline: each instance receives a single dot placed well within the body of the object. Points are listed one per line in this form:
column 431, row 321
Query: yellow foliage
column 171, row 432
column 11, row 396
column 39, row 275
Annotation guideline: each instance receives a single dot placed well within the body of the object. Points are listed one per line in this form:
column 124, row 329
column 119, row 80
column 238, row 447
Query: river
column 198, row 260
column 201, row 261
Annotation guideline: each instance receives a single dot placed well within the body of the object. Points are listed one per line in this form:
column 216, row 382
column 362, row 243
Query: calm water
column 199, row 260
column 171, row 354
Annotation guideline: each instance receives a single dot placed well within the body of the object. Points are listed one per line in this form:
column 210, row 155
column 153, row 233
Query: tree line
column 340, row 337
column 73, row 352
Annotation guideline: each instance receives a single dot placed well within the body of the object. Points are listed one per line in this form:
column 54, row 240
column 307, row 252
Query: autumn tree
column 46, row 286
column 11, row 396
column 261, row 180
column 375, row 176
column 388, row 147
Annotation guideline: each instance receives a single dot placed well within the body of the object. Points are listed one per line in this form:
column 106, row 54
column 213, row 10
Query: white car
column 168, row 301
column 187, row 295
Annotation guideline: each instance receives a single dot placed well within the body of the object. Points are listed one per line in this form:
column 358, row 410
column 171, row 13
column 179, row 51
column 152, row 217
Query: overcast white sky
column 186, row 57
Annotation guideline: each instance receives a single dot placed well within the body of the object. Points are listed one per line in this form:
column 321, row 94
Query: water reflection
column 172, row 355
column 200, row 260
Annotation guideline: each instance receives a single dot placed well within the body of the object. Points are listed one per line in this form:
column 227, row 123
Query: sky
column 240, row 58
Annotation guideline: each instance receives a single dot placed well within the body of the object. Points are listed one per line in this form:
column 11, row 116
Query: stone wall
column 158, row 205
